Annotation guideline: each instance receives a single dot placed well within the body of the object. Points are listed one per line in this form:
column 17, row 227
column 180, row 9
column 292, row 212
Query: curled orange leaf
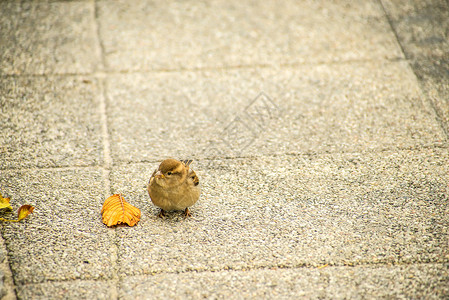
column 117, row 211
column 24, row 211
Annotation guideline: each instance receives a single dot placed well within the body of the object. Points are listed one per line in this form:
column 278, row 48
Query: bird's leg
column 187, row 213
column 161, row 214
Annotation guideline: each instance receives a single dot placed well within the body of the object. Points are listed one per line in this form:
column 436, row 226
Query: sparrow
column 174, row 186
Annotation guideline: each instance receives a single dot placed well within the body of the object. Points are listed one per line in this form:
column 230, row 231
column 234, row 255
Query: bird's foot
column 187, row 213
column 161, row 214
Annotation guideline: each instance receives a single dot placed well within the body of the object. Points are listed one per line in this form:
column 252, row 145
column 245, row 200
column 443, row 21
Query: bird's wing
column 152, row 175
column 194, row 178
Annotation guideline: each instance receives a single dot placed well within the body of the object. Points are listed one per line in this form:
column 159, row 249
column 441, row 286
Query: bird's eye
column 169, row 173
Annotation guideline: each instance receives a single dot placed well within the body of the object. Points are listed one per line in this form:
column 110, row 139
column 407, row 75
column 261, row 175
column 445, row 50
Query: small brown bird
column 174, row 186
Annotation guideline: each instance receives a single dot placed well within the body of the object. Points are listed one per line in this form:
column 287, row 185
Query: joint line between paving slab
column 8, row 279
column 98, row 32
column 107, row 164
column 157, row 160
column 322, row 266
column 387, row 16
column 295, row 267
column 107, row 159
column 437, row 112
column 54, row 168
column 103, row 73
column 306, row 153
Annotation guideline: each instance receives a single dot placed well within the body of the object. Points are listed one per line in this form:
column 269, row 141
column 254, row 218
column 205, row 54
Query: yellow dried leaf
column 24, row 211
column 4, row 203
column 117, row 211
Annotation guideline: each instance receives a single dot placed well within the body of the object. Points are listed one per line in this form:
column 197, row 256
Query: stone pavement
column 319, row 131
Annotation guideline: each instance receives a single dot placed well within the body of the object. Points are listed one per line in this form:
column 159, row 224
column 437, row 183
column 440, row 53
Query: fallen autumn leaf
column 117, row 211
column 24, row 211
column 4, row 203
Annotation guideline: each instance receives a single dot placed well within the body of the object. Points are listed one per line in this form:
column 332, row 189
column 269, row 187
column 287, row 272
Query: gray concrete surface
column 319, row 132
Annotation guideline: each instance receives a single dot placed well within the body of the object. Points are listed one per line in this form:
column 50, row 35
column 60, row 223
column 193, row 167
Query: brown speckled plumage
column 174, row 186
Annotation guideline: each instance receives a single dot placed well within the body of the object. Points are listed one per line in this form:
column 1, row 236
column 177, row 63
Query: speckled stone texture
column 40, row 37
column 421, row 28
column 410, row 281
column 292, row 211
column 50, row 122
column 343, row 107
column 64, row 239
column 319, row 131
column 184, row 35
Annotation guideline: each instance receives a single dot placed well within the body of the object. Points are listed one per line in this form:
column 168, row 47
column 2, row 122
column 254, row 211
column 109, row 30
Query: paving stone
column 427, row 281
column 49, row 122
column 64, row 238
column 76, row 289
column 437, row 91
column 38, row 37
column 290, row 211
column 421, row 27
column 139, row 35
column 2, row 284
column 320, row 108
column 319, row 131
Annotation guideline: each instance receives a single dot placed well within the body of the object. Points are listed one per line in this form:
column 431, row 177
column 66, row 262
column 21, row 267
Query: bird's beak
column 159, row 175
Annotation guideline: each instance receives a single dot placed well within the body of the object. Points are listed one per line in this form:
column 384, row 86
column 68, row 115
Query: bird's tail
column 187, row 162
